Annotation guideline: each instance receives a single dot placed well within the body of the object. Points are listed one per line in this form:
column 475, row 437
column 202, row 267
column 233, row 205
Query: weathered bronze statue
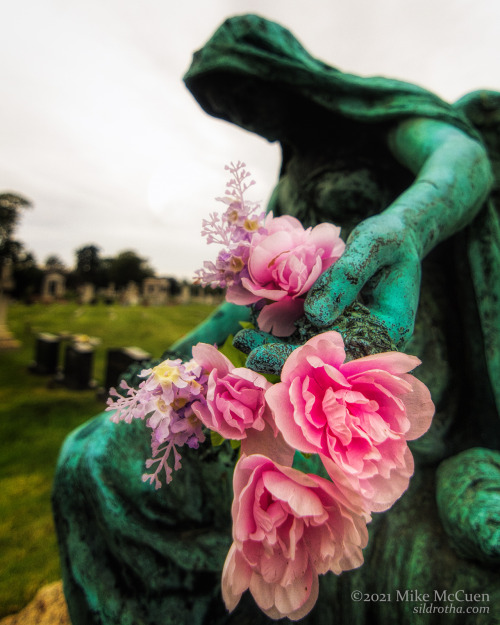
column 414, row 183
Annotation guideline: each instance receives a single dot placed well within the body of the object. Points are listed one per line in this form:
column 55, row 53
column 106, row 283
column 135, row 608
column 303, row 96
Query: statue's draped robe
column 134, row 555
column 259, row 52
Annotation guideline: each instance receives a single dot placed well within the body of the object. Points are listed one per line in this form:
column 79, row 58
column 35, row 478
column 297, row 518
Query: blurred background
column 99, row 132
column 107, row 168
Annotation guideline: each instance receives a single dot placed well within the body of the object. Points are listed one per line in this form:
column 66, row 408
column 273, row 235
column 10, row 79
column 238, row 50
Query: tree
column 90, row 267
column 128, row 267
column 54, row 263
column 27, row 276
column 10, row 207
column 175, row 287
column 88, row 260
column 10, row 212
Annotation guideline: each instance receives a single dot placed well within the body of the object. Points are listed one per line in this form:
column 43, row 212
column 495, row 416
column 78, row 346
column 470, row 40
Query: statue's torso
column 345, row 183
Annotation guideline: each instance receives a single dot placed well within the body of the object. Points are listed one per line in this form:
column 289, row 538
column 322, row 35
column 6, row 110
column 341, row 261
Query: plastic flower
column 270, row 262
column 288, row 528
column 357, row 415
column 235, row 396
column 284, row 261
column 166, row 398
column 233, row 229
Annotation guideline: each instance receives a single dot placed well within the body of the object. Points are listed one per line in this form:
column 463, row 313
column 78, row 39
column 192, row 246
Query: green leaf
column 309, row 463
column 272, row 377
column 247, row 325
column 216, row 439
column 235, row 356
column 235, row 444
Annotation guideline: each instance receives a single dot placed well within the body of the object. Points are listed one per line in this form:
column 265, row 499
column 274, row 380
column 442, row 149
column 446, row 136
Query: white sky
column 98, row 130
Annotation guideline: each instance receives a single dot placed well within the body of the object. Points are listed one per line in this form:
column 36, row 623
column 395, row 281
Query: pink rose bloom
column 283, row 264
column 357, row 415
column 288, row 528
column 235, row 398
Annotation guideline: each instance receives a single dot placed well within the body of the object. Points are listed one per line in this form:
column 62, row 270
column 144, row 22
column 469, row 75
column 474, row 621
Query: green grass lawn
column 35, row 419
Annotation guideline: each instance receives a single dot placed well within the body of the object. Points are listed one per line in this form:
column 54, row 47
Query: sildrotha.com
column 435, row 602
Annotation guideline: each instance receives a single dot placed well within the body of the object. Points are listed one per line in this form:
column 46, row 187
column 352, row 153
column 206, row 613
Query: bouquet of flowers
column 355, row 416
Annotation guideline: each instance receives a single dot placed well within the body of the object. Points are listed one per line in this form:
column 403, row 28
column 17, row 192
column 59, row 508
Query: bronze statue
column 413, row 182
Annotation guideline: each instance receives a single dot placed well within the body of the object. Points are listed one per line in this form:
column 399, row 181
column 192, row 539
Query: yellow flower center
column 251, row 225
column 232, row 217
column 161, row 405
column 165, row 373
column 193, row 420
column 236, row 264
column 179, row 403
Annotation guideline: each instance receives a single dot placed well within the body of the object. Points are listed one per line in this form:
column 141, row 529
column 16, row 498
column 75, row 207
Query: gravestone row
column 77, row 368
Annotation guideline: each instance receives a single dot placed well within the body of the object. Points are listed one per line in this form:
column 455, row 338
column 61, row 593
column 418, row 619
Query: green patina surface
column 414, row 182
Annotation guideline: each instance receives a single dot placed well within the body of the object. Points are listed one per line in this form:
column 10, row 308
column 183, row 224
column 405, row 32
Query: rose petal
column 392, row 362
column 209, row 357
column 419, row 407
column 278, row 400
column 269, row 444
column 290, row 599
column 236, row 576
column 302, row 500
column 279, row 318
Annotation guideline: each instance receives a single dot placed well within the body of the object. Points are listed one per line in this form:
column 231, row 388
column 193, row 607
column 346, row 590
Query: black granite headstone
column 46, row 354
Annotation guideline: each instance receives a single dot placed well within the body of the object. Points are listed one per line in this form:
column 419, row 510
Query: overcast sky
column 99, row 132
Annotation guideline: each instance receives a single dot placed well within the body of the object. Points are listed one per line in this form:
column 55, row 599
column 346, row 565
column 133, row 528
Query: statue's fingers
column 376, row 243
column 270, row 358
column 392, row 295
column 339, row 286
column 247, row 340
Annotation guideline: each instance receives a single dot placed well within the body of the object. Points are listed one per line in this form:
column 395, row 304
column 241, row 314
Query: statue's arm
column 224, row 321
column 453, row 178
column 383, row 253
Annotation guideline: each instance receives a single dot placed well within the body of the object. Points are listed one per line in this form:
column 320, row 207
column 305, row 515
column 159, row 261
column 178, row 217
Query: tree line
column 26, row 275
column 90, row 268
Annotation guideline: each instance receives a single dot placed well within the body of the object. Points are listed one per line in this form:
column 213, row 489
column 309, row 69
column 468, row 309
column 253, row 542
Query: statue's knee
column 468, row 498
column 88, row 455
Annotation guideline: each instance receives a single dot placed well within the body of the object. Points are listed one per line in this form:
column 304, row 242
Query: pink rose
column 235, row 397
column 288, row 528
column 283, row 264
column 357, row 415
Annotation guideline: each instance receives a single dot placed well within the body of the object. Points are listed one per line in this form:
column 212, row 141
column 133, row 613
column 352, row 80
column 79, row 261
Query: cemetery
column 47, row 412
column 307, row 431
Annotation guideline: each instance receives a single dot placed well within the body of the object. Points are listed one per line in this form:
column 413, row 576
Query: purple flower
column 234, row 230
column 165, row 398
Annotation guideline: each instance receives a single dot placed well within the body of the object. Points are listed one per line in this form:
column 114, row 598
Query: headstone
column 46, row 354
column 78, row 364
column 108, row 294
column 119, row 360
column 155, row 291
column 87, row 293
column 131, row 295
column 53, row 286
column 185, row 296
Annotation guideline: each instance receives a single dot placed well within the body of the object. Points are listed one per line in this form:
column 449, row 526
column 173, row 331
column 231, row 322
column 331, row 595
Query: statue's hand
column 266, row 353
column 381, row 262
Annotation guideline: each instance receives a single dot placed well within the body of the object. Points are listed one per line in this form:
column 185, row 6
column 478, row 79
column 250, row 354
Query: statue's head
column 245, row 74
column 256, row 74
